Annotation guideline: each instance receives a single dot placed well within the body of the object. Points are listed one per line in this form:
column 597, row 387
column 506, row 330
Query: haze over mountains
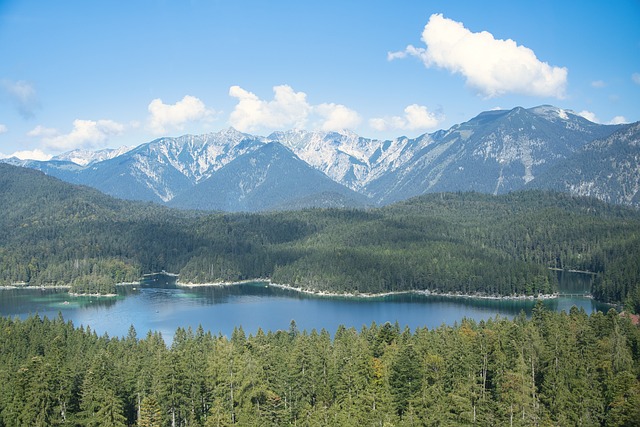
column 495, row 152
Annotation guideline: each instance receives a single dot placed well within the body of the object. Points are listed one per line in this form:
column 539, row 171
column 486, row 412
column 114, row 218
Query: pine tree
column 406, row 378
column 150, row 412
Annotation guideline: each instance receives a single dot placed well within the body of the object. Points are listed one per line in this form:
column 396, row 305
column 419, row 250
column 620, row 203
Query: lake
column 159, row 305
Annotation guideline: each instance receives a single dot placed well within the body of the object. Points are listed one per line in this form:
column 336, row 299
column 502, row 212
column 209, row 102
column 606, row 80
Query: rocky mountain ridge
column 495, row 152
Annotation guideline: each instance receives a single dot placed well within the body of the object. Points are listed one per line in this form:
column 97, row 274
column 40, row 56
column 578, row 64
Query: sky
column 77, row 74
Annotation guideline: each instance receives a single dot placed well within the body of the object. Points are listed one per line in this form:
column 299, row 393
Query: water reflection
column 158, row 304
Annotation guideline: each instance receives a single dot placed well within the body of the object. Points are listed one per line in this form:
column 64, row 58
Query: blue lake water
column 159, row 305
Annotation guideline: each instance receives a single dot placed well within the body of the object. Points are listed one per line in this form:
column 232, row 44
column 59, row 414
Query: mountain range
column 495, row 152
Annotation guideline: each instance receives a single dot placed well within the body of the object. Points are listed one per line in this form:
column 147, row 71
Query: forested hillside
column 52, row 233
column 554, row 369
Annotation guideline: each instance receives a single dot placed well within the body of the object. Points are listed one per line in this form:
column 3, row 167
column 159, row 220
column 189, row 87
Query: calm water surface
column 159, row 305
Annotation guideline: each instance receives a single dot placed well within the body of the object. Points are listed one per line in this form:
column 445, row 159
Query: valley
column 54, row 233
column 319, row 214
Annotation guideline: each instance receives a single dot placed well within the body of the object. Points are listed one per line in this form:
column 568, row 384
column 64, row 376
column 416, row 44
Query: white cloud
column 287, row 109
column 36, row 154
column 85, row 134
column 401, row 54
column 598, row 84
column 492, row 66
column 164, row 117
column 41, row 131
column 3, row 128
column 337, row 117
column 415, row 117
column 636, row 78
column 617, row 120
column 23, row 95
column 589, row 116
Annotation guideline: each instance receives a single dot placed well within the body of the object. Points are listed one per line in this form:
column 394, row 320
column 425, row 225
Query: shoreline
column 311, row 292
column 68, row 288
column 573, row 271
column 358, row 295
column 26, row 286
column 97, row 295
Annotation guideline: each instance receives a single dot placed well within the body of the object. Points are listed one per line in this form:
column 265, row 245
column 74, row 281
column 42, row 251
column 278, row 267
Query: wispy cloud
column 44, row 132
column 23, row 95
column 3, row 128
column 288, row 108
column 492, row 66
column 598, row 84
column 416, row 117
column 635, row 77
column 166, row 117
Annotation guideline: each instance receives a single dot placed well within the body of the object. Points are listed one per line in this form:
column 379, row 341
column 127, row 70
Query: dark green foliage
column 555, row 369
column 406, row 378
column 52, row 233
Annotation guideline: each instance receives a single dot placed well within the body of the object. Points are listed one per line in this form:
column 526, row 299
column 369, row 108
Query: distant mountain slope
column 155, row 171
column 55, row 233
column 166, row 167
column 495, row 152
column 21, row 189
column 87, row 157
column 268, row 178
column 347, row 158
column 608, row 169
column 62, row 169
column 30, row 197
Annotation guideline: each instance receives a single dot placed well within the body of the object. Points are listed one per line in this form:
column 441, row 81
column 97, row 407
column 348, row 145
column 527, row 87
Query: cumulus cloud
column 492, row 66
column 23, row 95
column 635, row 77
column 415, row 117
column 165, row 117
column 617, row 120
column 36, row 154
column 85, row 134
column 287, row 109
column 3, row 128
column 589, row 116
column 337, row 117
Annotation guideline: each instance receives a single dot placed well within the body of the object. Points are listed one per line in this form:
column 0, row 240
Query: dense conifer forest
column 551, row 369
column 556, row 369
column 56, row 234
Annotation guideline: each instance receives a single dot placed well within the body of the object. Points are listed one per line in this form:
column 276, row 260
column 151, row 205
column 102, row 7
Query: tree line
column 551, row 369
column 53, row 233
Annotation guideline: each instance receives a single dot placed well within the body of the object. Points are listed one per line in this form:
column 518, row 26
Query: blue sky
column 97, row 74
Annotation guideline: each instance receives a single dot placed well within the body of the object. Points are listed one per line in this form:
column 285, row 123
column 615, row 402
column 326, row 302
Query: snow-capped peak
column 232, row 134
column 551, row 113
column 86, row 157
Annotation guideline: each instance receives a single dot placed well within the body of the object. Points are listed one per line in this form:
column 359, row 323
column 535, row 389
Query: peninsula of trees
column 53, row 234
